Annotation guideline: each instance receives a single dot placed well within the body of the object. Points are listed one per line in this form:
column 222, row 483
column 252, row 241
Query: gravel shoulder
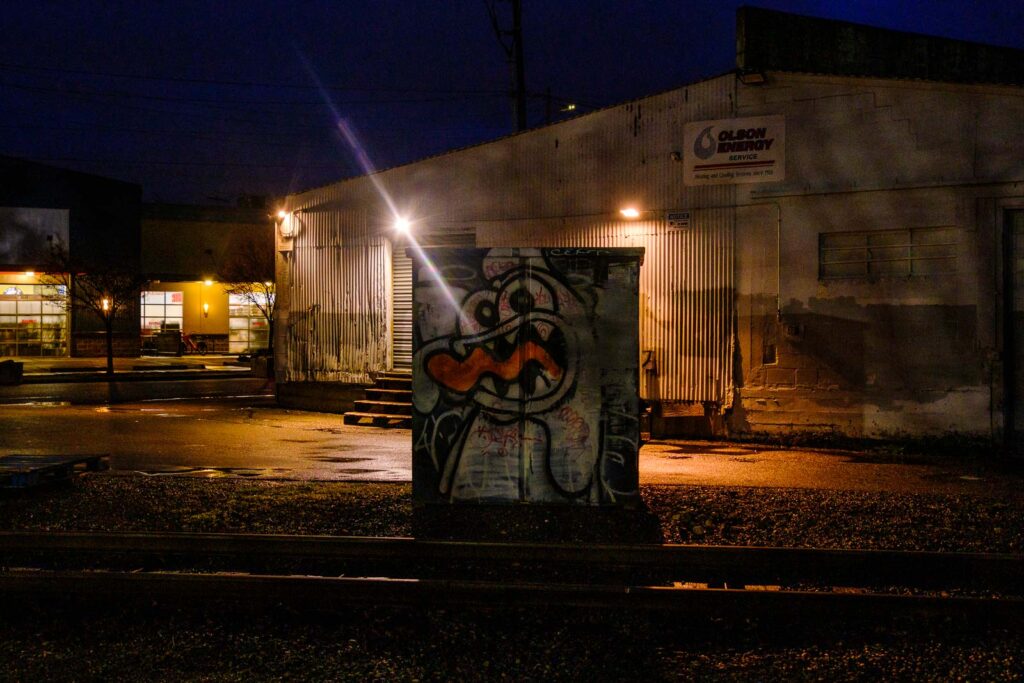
column 435, row 644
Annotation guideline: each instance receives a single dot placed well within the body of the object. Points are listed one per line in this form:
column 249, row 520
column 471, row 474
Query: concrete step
column 378, row 420
column 397, row 395
column 385, row 382
column 397, row 374
column 384, row 407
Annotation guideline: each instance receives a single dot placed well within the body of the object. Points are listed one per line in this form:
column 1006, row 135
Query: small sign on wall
column 732, row 151
column 678, row 219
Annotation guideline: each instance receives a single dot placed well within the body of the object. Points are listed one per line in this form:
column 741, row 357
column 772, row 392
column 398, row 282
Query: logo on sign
column 704, row 146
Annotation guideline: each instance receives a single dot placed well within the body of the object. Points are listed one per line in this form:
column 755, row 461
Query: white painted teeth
column 487, row 384
column 540, row 385
column 511, row 336
column 513, row 391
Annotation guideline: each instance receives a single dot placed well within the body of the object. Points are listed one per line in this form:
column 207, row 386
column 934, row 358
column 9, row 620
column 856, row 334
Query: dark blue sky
column 205, row 101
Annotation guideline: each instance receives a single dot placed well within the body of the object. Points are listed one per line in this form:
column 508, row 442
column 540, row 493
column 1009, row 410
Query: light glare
column 630, row 212
column 402, row 225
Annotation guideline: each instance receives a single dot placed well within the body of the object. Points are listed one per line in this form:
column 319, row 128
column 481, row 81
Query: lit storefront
column 203, row 315
column 33, row 317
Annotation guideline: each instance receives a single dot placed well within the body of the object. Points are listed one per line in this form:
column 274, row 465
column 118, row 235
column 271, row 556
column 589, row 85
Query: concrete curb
column 133, row 376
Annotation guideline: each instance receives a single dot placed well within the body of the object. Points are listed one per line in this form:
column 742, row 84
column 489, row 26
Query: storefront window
column 161, row 311
column 33, row 320
column 247, row 326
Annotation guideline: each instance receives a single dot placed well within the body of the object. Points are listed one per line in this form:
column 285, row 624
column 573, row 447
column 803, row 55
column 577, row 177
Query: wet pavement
column 252, row 437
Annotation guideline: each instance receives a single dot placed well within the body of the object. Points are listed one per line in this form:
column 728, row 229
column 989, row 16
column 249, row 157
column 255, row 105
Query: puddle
column 710, row 450
column 215, row 472
column 340, row 459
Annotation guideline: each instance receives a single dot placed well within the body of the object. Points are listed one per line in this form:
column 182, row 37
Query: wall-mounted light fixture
column 286, row 222
column 630, row 212
column 207, row 282
column 206, row 310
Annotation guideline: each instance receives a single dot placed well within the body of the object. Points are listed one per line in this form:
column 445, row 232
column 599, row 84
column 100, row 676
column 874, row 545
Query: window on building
column 248, row 329
column 161, row 311
column 887, row 253
column 33, row 320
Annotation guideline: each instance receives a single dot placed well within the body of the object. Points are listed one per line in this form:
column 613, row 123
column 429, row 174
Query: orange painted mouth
column 461, row 375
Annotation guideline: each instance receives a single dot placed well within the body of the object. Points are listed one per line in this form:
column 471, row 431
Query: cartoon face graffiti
column 507, row 383
column 515, row 351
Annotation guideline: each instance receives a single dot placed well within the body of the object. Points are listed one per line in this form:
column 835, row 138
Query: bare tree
column 104, row 290
column 248, row 272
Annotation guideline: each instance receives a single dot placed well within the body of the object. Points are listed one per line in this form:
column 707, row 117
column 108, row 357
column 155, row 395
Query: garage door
column 401, row 288
column 401, row 309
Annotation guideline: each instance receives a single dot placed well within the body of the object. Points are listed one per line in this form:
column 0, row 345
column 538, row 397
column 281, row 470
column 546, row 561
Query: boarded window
column 887, row 253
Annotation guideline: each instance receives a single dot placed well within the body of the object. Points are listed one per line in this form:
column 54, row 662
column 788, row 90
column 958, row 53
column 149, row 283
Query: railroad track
column 318, row 572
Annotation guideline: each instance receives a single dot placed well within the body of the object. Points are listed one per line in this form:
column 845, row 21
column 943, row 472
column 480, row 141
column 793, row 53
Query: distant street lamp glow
column 282, row 214
column 105, row 304
column 402, row 225
column 630, row 212
column 207, row 282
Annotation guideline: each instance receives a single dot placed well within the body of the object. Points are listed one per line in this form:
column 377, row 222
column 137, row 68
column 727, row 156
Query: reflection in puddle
column 216, row 472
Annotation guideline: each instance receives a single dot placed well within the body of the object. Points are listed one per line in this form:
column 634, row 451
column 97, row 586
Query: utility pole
column 520, row 69
column 514, row 54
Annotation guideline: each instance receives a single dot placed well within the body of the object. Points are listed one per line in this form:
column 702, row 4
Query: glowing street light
column 105, row 305
column 630, row 212
column 402, row 225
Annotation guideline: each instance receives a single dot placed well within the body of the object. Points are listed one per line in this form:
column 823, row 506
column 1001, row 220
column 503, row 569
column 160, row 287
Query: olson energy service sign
column 750, row 150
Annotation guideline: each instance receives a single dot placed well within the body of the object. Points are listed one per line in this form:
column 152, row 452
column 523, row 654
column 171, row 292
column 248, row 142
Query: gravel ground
column 392, row 644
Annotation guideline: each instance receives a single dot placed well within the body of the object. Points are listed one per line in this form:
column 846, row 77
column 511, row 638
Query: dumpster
column 525, row 376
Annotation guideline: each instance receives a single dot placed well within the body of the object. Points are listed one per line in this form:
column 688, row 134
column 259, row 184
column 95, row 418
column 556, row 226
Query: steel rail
column 330, row 593
column 692, row 563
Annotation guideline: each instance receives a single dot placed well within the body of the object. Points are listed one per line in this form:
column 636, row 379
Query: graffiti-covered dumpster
column 525, row 377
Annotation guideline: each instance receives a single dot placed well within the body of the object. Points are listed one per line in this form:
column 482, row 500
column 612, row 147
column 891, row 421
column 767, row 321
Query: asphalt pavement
column 209, row 416
column 252, row 437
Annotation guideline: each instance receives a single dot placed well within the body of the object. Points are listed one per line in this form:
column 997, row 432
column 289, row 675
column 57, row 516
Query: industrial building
column 832, row 237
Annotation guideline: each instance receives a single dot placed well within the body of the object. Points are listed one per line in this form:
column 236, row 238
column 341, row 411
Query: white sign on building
column 729, row 151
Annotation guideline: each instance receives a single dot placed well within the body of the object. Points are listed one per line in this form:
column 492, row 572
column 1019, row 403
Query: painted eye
column 485, row 314
column 521, row 301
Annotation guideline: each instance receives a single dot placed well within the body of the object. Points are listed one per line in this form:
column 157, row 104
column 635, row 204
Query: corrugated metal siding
column 686, row 295
column 337, row 322
column 559, row 186
column 687, row 282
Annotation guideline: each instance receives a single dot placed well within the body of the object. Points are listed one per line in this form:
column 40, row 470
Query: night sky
column 203, row 102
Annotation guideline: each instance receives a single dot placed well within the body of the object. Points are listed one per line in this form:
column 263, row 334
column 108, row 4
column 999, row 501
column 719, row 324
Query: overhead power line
column 248, row 84
column 155, row 162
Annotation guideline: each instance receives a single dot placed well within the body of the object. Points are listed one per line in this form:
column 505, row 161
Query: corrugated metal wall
column 687, row 282
column 338, row 312
column 556, row 186
column 686, row 295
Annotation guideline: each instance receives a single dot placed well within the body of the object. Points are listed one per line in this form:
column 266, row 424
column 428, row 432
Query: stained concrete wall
column 878, row 355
